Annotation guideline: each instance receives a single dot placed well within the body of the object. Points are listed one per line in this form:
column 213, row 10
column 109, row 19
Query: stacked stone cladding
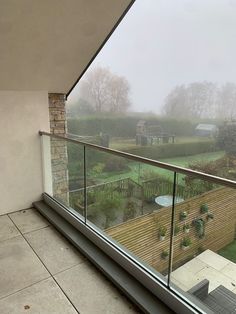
column 59, row 158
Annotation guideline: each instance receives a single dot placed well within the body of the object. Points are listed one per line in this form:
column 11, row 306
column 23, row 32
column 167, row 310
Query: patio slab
column 212, row 259
column 28, row 220
column 42, row 298
column 19, row 266
column 195, row 265
column 184, row 278
column 54, row 250
column 216, row 278
column 91, row 293
column 208, row 265
column 230, row 271
column 7, row 228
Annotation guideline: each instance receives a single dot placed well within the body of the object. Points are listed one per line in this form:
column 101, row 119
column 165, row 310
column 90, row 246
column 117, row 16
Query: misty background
column 167, row 43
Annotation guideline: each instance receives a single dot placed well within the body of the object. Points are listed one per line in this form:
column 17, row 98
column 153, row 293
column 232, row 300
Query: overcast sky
column 163, row 43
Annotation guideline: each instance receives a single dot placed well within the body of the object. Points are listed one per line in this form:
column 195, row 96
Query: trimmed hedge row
column 173, row 150
column 126, row 126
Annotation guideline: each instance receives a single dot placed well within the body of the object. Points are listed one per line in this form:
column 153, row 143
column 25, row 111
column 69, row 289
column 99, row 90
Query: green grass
column 185, row 161
column 136, row 169
column 229, row 252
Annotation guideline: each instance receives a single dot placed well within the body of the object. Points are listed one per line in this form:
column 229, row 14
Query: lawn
column 229, row 252
column 138, row 169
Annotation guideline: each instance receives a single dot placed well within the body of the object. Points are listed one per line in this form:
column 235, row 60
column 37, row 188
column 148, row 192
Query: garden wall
column 140, row 235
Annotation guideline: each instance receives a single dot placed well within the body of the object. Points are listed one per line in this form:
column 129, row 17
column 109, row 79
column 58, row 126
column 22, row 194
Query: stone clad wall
column 59, row 158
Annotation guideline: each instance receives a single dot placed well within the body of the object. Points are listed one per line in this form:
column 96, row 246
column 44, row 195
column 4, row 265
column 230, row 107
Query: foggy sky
column 163, row 43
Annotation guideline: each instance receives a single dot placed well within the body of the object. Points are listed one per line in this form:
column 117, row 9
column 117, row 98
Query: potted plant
column 183, row 215
column 204, row 208
column 186, row 242
column 186, row 228
column 210, row 216
column 164, row 254
column 162, row 233
column 176, row 230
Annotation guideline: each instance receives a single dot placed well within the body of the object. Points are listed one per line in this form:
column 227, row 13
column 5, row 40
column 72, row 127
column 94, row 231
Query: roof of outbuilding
column 206, row 127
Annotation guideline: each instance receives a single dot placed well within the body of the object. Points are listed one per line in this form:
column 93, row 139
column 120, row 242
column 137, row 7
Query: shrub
column 164, row 254
column 210, row 216
column 186, row 242
column 176, row 229
column 129, row 210
column 162, row 231
column 200, row 227
column 109, row 203
column 172, row 150
column 183, row 215
column 186, row 227
column 204, row 208
column 115, row 164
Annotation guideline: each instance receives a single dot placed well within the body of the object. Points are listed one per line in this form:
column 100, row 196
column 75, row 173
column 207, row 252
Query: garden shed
column 208, row 130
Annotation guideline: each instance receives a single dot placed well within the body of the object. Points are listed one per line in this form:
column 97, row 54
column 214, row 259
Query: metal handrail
column 163, row 165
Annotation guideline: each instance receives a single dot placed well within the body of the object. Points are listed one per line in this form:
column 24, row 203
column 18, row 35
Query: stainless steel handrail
column 194, row 173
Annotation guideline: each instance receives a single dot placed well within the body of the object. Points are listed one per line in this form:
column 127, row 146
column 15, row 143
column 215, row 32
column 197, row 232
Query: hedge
column 173, row 150
column 126, row 126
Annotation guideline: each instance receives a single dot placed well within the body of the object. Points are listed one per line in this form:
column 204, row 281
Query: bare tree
column 197, row 100
column 227, row 101
column 105, row 90
column 176, row 103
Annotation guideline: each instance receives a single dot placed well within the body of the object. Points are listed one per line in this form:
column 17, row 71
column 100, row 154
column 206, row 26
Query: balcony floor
column 41, row 272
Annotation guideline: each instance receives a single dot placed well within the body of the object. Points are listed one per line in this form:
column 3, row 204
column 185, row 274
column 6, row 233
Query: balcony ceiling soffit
column 46, row 45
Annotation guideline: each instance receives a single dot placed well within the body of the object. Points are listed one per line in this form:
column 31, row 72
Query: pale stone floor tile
column 91, row 293
column 44, row 297
column 185, row 277
column 54, row 250
column 178, row 284
column 213, row 259
column 216, row 278
column 19, row 266
column 7, row 228
column 195, row 265
column 230, row 270
column 28, row 220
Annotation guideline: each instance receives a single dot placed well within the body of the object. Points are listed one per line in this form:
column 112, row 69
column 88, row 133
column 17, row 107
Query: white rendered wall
column 22, row 115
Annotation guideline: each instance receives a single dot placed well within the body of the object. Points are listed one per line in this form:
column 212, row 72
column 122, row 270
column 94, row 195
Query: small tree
column 109, row 203
column 129, row 210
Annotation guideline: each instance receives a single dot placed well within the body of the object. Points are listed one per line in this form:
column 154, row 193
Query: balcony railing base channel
column 149, row 294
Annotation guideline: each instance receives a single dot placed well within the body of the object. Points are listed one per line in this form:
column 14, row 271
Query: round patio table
column 166, row 200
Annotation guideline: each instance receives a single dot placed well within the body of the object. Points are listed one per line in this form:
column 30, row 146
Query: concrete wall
column 22, row 115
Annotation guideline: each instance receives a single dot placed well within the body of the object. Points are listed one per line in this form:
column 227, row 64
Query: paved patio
column 207, row 265
column 40, row 272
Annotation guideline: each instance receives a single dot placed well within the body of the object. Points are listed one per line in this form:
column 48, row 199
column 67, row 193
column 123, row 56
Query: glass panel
column 76, row 177
column 64, row 172
column 131, row 202
column 204, row 259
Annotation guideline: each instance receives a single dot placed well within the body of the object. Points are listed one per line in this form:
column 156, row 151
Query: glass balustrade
column 178, row 225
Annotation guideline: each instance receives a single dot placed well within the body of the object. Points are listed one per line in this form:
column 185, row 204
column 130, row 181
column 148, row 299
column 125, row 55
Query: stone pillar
column 59, row 158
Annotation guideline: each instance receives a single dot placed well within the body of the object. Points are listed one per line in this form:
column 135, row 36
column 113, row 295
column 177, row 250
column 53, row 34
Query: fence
column 157, row 186
column 126, row 188
column 148, row 247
